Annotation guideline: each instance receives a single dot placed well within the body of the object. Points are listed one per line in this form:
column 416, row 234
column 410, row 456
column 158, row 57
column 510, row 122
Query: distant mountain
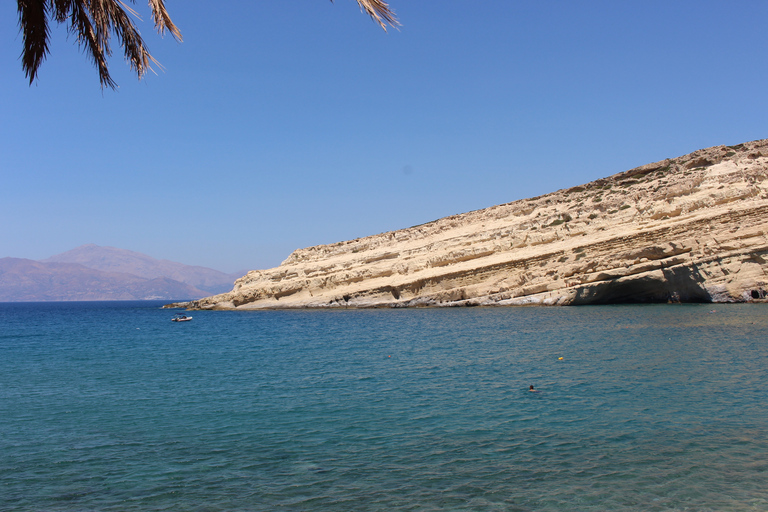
column 111, row 259
column 28, row 280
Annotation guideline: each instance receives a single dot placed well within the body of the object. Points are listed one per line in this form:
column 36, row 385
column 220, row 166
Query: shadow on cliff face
column 681, row 284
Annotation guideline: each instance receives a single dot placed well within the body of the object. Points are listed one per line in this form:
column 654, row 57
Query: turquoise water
column 110, row 406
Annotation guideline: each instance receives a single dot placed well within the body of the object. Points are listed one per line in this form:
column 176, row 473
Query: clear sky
column 284, row 124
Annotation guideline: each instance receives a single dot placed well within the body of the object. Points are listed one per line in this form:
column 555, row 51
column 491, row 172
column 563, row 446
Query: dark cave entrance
column 678, row 285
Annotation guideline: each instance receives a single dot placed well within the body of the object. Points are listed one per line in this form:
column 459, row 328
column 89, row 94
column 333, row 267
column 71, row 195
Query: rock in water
column 688, row 229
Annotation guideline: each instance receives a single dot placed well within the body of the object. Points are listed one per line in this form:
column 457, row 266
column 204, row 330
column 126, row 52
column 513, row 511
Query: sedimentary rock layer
column 691, row 228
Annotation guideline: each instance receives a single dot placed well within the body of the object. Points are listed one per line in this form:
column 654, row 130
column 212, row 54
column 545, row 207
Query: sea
column 110, row 406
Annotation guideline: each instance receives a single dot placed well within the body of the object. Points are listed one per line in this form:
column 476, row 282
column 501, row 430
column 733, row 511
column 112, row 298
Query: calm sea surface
column 111, row 406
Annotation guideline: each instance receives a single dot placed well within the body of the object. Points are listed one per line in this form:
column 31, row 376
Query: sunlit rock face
column 688, row 229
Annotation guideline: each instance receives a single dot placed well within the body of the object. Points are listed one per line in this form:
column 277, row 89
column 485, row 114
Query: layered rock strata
column 689, row 229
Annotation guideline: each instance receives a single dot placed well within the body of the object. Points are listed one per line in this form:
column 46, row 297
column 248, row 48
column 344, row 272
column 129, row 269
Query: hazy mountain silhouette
column 29, row 280
column 111, row 259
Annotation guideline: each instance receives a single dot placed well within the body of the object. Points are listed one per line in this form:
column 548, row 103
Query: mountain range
column 92, row 272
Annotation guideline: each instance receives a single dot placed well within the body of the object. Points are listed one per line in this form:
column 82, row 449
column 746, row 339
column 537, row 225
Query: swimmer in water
column 531, row 389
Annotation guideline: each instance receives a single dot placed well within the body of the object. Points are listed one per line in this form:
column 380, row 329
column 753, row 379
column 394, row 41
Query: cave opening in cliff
column 681, row 285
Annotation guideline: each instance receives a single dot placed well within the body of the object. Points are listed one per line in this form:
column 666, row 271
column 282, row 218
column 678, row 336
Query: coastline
column 688, row 229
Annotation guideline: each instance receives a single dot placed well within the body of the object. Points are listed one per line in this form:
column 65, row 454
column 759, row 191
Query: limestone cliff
column 693, row 228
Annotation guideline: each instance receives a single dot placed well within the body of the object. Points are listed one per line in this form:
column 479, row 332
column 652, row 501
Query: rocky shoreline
column 688, row 229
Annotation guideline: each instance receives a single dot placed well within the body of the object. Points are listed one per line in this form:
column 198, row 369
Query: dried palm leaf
column 379, row 11
column 33, row 20
column 92, row 22
column 163, row 21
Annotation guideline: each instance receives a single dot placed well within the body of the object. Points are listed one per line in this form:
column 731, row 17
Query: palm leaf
column 94, row 21
column 33, row 20
column 380, row 12
column 163, row 21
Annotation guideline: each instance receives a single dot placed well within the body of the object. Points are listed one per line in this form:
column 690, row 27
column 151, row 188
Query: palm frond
column 33, row 20
column 135, row 51
column 163, row 20
column 94, row 21
column 91, row 34
column 379, row 11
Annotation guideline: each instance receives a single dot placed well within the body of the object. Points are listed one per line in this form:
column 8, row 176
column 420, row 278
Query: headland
column 686, row 229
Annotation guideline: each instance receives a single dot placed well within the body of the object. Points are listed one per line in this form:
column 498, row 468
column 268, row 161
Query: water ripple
column 657, row 408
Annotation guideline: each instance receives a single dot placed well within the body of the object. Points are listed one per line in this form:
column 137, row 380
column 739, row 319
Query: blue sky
column 278, row 125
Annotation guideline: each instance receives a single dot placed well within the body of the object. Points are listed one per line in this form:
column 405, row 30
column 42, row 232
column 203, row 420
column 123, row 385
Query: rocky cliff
column 689, row 229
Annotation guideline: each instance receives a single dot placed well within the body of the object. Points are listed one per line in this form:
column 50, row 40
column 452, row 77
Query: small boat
column 181, row 318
